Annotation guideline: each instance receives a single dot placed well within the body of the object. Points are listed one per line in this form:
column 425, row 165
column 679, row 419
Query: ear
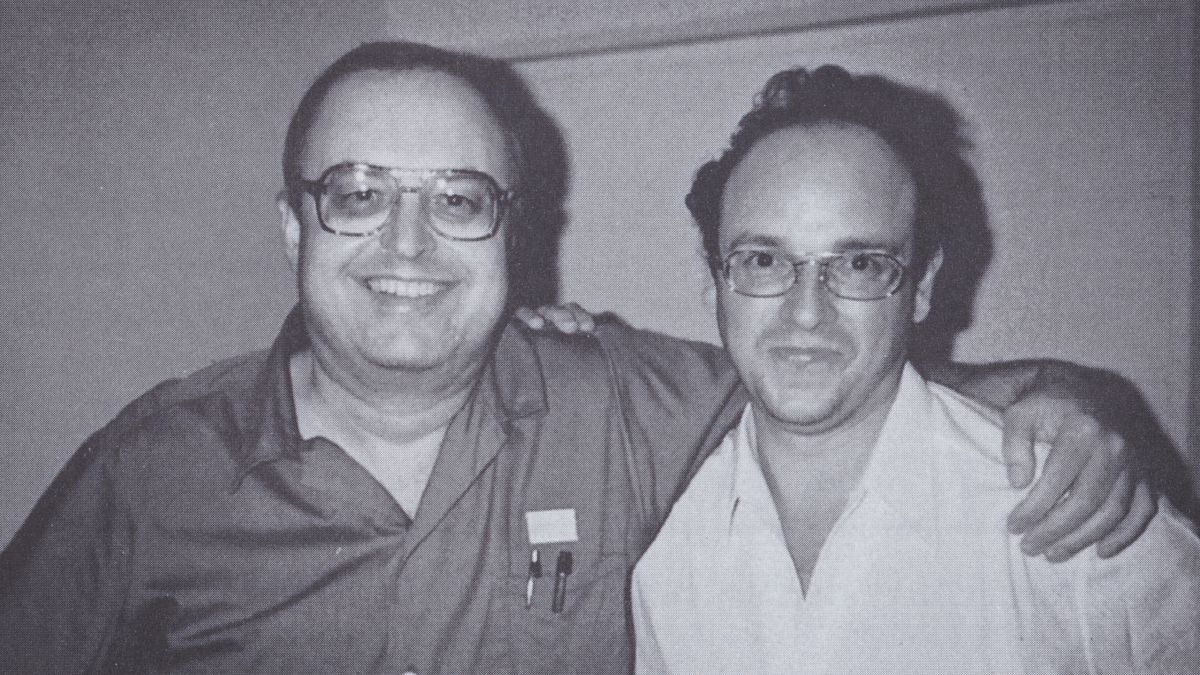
column 924, row 297
column 290, row 223
column 710, row 293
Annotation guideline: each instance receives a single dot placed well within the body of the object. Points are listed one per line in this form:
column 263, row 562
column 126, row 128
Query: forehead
column 819, row 188
column 412, row 119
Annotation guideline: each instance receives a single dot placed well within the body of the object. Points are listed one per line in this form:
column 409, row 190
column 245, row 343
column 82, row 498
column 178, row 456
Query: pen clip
column 562, row 569
column 535, row 573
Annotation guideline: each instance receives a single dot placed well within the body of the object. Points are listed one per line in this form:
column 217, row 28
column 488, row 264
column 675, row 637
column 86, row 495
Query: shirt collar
column 515, row 374
column 512, row 379
column 748, row 479
column 269, row 430
column 902, row 470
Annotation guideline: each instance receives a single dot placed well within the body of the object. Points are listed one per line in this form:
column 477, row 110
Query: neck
column 830, row 459
column 394, row 412
column 813, row 470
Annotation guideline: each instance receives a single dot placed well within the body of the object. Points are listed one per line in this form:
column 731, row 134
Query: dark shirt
column 198, row 532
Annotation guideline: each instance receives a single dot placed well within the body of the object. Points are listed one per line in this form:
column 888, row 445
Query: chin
column 809, row 417
column 406, row 359
column 799, row 408
column 391, row 362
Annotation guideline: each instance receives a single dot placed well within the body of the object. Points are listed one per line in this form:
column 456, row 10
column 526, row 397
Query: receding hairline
column 823, row 128
column 512, row 146
column 820, row 130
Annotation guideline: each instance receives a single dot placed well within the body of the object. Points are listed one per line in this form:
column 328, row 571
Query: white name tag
column 549, row 527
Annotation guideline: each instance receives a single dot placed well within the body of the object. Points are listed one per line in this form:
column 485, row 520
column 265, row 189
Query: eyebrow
column 753, row 239
column 852, row 244
column 839, row 246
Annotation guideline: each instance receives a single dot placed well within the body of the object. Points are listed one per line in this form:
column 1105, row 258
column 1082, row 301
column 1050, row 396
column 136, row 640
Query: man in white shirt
column 854, row 521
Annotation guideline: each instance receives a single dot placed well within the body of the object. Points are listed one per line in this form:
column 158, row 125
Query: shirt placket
column 445, row 547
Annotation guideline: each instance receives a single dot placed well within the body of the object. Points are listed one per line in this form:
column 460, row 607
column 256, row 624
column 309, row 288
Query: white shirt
column 919, row 575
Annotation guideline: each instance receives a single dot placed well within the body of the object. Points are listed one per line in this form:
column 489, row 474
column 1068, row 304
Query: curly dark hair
column 921, row 128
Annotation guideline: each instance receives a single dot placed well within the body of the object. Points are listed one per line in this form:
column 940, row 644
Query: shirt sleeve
column 679, row 398
column 62, row 576
column 649, row 658
column 1140, row 610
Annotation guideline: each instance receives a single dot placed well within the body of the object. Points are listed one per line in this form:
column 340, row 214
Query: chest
column 882, row 598
column 806, row 525
column 310, row 566
column 402, row 470
column 807, row 505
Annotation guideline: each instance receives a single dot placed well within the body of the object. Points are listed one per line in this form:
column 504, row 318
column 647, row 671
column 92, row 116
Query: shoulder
column 1164, row 561
column 642, row 358
column 1140, row 609
column 173, row 439
column 619, row 338
column 235, row 377
column 669, row 366
column 701, row 511
column 705, row 502
column 215, row 403
column 972, row 435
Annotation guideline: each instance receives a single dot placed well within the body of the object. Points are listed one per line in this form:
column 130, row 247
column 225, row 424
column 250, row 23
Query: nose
column 808, row 304
column 407, row 231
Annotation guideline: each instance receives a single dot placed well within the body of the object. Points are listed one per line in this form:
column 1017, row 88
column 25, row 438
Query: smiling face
column 405, row 299
column 812, row 361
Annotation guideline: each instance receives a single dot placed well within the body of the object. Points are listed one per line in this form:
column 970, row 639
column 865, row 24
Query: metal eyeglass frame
column 317, row 188
column 823, row 260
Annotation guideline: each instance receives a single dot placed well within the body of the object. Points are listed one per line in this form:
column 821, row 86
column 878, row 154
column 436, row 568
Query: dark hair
column 501, row 88
column 534, row 140
column 921, row 128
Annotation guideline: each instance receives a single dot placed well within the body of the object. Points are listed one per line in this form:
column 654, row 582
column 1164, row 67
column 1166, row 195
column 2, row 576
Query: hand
column 568, row 318
column 1089, row 491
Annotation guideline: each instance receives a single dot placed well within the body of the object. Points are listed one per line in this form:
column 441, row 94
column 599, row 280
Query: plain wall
column 141, row 142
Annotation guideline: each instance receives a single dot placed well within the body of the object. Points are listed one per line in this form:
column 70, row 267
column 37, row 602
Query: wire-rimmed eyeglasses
column 852, row 275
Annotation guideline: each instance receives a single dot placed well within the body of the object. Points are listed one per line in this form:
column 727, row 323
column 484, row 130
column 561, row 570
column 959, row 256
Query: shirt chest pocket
column 589, row 632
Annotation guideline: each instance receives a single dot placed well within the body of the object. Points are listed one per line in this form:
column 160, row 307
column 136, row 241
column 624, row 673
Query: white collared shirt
column 919, row 575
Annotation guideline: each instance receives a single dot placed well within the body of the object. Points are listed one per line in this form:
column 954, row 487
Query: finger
column 530, row 318
column 1114, row 509
column 584, row 318
column 1068, row 456
column 1140, row 513
column 559, row 318
column 1086, row 496
column 1020, row 430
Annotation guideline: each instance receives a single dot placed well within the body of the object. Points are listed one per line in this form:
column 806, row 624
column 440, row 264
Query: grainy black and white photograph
column 529, row 336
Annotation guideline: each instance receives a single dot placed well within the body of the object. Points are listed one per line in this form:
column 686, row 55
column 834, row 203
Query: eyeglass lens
column 358, row 200
column 852, row 275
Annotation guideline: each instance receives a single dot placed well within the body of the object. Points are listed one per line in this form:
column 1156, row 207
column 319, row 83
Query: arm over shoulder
column 678, row 398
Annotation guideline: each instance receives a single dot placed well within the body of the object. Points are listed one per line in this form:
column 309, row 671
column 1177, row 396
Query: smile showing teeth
column 403, row 288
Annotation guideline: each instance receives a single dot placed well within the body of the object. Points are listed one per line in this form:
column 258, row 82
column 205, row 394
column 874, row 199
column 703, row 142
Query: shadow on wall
column 540, row 214
column 968, row 250
column 967, row 247
column 1160, row 460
